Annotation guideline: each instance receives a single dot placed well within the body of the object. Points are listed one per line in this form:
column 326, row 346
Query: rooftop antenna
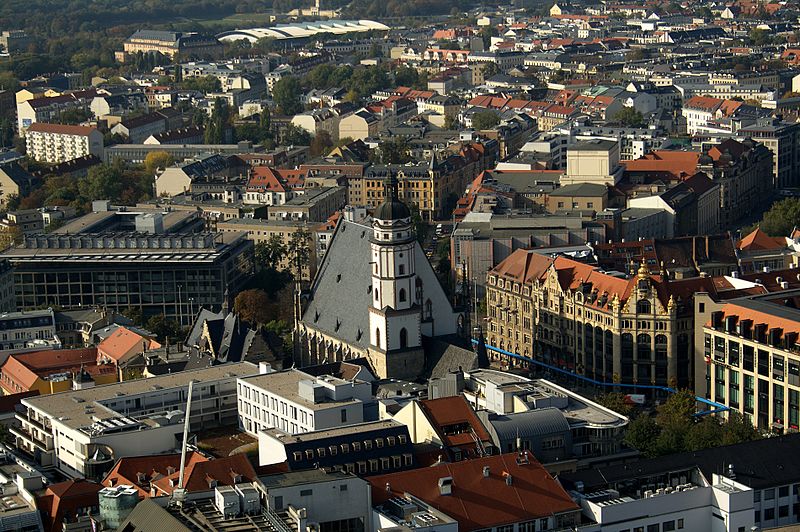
column 179, row 494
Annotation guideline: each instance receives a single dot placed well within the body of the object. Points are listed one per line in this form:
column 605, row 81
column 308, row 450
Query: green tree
column 616, row 402
column 164, row 328
column 759, row 36
column 270, row 254
column 782, row 217
column 217, row 125
column 678, row 407
column 296, row 136
column 299, row 250
column 629, row 117
column 134, row 314
column 204, row 84
column 286, row 94
column 485, row 120
column 490, row 69
column 394, row 150
column 157, row 159
column 103, row 181
column 265, row 120
column 642, row 435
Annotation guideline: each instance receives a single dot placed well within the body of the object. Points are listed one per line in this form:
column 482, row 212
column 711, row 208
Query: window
column 769, row 514
column 680, row 524
column 344, row 415
column 402, row 269
column 783, row 511
column 377, row 331
column 653, row 528
column 783, row 491
column 278, row 502
column 402, row 295
column 342, row 487
column 769, row 494
column 403, row 337
column 305, row 493
column 668, row 526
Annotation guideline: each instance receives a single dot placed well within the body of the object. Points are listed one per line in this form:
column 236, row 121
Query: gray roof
column 581, row 190
column 534, row 423
column 444, row 357
column 148, row 515
column 593, row 145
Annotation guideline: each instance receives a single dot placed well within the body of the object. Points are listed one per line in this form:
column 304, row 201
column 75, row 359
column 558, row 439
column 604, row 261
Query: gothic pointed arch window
column 403, row 338
column 378, row 337
column 428, row 309
column 401, row 295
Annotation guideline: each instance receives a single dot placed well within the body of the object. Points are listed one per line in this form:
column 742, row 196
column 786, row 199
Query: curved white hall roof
column 301, row 30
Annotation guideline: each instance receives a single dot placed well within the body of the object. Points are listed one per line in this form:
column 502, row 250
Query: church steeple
column 395, row 316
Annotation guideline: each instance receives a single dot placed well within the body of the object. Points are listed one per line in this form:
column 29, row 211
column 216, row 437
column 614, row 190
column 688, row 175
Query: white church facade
column 375, row 295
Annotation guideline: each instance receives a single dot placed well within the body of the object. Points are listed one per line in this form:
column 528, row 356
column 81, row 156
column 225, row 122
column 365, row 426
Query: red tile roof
column 65, row 499
column 448, row 412
column 479, row 502
column 23, row 369
column 153, row 467
column 121, row 342
column 758, row 240
column 61, row 129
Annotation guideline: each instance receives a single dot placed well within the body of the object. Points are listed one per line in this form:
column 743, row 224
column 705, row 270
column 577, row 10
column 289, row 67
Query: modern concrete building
column 750, row 359
column 296, row 402
column 81, row 433
column 143, row 258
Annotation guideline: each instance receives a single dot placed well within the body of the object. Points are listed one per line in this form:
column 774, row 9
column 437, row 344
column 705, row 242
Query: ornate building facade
column 632, row 329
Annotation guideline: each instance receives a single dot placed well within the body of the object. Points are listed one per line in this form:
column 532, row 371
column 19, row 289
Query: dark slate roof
column 760, row 464
column 343, row 276
column 148, row 515
column 443, row 356
column 534, row 423
column 230, row 338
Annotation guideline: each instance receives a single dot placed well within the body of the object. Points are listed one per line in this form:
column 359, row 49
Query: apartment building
column 783, row 140
column 314, row 205
column 44, row 109
column 751, row 360
column 363, row 448
column 297, row 402
column 21, row 330
column 631, row 329
column 169, row 43
column 81, row 433
column 58, row 143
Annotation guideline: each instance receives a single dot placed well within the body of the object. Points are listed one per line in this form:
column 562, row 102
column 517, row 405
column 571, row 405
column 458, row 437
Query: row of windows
column 345, row 448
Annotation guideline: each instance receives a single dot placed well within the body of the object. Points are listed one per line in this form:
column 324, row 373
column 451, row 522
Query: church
column 375, row 296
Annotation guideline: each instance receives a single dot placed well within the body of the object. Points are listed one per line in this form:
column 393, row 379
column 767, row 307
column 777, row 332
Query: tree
column 252, row 306
column 642, row 435
column 679, row 406
column 616, row 402
column 204, row 84
column 269, row 254
column 157, row 159
column 629, row 117
column 217, row 125
column 321, row 144
column 782, row 217
column 286, row 94
column 162, row 327
column 485, row 120
column 760, row 36
column 299, row 251
column 134, row 314
column 296, row 136
column 490, row 69
column 103, row 181
column 395, row 150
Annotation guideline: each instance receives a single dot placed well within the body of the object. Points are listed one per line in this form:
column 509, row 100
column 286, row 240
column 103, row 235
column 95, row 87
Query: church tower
column 395, row 336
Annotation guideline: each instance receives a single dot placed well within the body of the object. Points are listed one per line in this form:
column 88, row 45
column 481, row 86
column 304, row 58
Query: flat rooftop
column 358, row 428
column 70, row 407
column 285, row 384
column 298, row 478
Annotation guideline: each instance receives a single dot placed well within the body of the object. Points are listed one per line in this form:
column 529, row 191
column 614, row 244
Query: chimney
column 445, row 486
column 171, row 470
